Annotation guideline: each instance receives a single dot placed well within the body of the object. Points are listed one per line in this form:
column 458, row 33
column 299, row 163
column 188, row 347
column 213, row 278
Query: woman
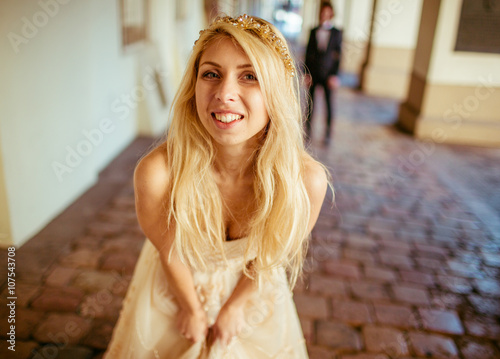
column 227, row 202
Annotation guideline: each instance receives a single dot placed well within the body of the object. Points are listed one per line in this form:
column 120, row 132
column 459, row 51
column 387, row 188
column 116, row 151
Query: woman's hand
column 230, row 322
column 192, row 324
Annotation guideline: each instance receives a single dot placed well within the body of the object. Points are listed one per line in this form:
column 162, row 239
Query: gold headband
column 264, row 31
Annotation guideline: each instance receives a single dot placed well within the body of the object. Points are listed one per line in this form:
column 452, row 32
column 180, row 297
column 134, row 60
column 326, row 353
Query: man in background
column 322, row 63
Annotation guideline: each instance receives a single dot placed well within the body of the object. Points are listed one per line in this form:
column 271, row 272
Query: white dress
column 146, row 326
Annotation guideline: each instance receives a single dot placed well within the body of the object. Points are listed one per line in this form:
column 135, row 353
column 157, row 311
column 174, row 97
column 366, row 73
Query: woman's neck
column 234, row 163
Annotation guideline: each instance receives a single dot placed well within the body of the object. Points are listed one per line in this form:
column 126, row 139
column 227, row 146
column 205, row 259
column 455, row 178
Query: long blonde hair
column 278, row 228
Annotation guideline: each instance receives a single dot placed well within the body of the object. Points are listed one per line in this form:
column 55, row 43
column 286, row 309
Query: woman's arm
column 151, row 183
column 231, row 320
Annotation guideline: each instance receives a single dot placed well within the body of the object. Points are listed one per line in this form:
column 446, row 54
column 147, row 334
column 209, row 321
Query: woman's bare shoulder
column 151, row 178
column 315, row 177
column 316, row 183
column 152, row 172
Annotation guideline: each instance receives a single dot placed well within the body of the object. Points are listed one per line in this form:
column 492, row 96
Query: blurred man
column 322, row 62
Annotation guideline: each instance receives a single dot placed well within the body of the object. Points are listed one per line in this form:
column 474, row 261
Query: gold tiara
column 264, row 31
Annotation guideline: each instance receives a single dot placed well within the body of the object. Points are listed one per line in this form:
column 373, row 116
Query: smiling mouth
column 226, row 117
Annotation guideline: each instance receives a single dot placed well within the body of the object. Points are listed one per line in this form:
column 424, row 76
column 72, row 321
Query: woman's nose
column 227, row 90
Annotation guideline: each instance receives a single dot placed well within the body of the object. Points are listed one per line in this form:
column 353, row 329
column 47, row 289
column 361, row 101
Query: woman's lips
column 227, row 117
column 226, row 120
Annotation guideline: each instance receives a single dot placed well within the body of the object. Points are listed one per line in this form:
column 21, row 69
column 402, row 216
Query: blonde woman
column 227, row 202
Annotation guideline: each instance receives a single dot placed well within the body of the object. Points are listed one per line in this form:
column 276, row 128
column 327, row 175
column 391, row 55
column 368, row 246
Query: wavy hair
column 278, row 227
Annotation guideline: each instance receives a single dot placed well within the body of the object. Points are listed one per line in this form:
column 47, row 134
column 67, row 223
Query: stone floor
column 405, row 264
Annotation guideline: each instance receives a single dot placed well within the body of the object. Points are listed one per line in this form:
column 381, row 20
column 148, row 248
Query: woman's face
column 228, row 97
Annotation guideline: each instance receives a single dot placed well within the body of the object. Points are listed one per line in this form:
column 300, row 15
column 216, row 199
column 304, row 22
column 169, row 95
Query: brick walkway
column 406, row 264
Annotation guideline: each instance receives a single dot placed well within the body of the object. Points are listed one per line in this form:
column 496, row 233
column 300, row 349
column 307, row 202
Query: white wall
column 357, row 17
column 68, row 86
column 48, row 90
column 395, row 27
column 112, row 78
column 172, row 36
column 396, row 23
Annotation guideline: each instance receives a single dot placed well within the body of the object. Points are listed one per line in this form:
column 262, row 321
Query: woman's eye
column 250, row 77
column 210, row 75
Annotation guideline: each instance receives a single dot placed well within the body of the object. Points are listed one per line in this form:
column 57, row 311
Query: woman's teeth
column 227, row 118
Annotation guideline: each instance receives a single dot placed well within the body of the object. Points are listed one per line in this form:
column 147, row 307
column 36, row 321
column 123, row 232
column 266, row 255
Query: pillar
column 391, row 44
column 453, row 96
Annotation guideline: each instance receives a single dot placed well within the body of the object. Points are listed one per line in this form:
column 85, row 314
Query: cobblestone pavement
column 405, row 264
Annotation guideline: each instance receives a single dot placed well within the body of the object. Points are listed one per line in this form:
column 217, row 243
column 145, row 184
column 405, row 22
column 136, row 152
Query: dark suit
column 322, row 64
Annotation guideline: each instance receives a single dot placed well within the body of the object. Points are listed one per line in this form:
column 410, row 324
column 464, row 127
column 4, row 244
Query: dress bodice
column 234, row 252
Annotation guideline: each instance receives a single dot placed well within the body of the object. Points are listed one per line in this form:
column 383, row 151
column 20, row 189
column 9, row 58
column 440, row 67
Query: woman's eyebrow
column 210, row 63
column 243, row 66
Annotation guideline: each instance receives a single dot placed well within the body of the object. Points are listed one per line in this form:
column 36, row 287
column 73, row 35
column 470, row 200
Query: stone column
column 453, row 96
column 387, row 66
